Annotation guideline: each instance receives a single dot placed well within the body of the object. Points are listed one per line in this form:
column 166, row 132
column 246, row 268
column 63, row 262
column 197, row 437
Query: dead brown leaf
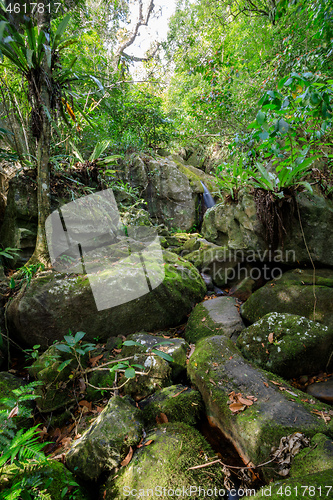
column 94, row 361
column 246, row 402
column 203, row 319
column 66, row 442
column 86, row 404
column 212, row 381
column 271, row 338
column 128, row 457
column 147, row 443
column 162, row 418
column 265, row 384
column 237, row 407
column 13, row 412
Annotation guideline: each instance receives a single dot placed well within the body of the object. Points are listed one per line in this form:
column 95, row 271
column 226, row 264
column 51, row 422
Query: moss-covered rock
column 217, row 316
column 52, row 477
column 19, row 226
column 166, row 190
column 53, row 303
column 217, row 368
column 105, row 444
column 317, row 485
column 174, row 347
column 57, row 389
column 317, row 458
column 294, row 293
column 162, row 467
column 217, row 261
column 237, row 226
column 234, row 225
column 157, row 375
column 287, row 344
column 179, row 403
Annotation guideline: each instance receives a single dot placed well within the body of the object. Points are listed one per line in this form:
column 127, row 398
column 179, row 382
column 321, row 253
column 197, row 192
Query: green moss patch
column 179, row 403
column 165, row 464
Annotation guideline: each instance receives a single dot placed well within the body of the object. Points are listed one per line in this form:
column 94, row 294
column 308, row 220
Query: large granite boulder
column 217, row 316
column 53, row 303
column 163, row 465
column 252, row 407
column 288, row 345
column 170, row 188
column 166, row 189
column 105, row 444
column 19, row 226
column 237, row 227
column 294, row 293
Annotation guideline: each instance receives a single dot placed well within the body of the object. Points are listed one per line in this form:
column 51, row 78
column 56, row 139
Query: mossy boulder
column 316, row 485
column 218, row 370
column 57, row 389
column 234, row 225
column 157, row 374
column 174, row 347
column 53, row 302
column 19, row 226
column 162, row 467
column 294, row 293
column 317, row 458
column 214, row 317
column 51, row 476
column 166, row 190
column 287, row 344
column 217, row 261
column 107, row 441
column 237, row 226
column 178, row 402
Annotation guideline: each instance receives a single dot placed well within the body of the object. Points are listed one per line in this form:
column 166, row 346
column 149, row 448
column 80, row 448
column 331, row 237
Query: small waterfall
column 207, row 197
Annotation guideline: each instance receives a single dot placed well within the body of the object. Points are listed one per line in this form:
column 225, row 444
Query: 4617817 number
column 31, row 8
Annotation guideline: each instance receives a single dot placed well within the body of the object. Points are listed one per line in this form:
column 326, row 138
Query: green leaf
column 264, row 135
column 163, row 355
column 80, row 351
column 29, row 57
column 260, row 118
column 78, row 336
column 283, row 126
column 63, row 365
column 140, row 367
column 130, row 372
column 307, row 186
column 63, row 348
column 60, row 31
column 131, row 342
column 69, row 339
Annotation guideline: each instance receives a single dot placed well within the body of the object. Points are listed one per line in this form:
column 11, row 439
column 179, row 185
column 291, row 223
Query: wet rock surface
column 218, row 370
column 322, row 391
column 213, row 317
column 287, row 345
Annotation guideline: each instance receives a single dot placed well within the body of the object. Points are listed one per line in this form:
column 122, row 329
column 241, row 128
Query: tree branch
column 139, row 59
column 141, row 21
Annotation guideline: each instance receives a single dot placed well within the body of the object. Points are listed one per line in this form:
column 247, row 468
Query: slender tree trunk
column 41, row 253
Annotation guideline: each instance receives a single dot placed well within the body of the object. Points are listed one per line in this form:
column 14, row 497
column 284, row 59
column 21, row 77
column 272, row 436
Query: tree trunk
column 41, row 253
